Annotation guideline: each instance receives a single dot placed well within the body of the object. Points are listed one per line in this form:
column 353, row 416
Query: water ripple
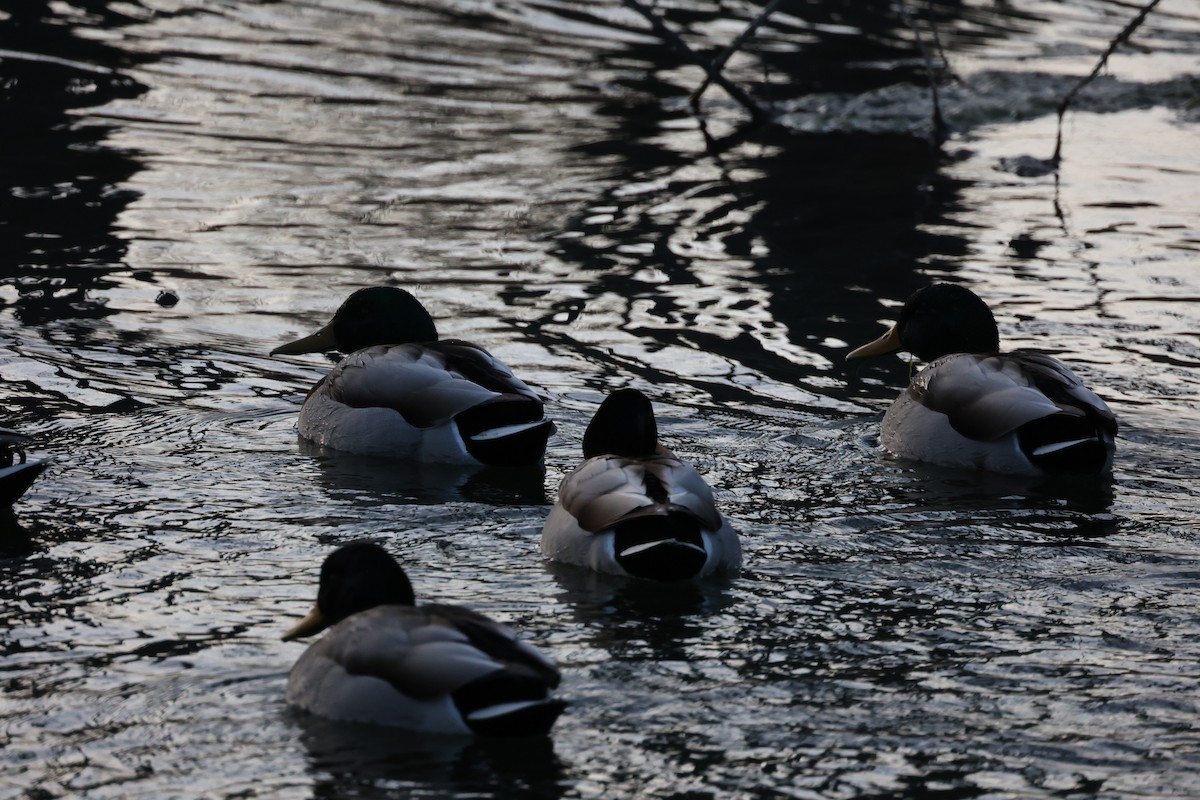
column 530, row 171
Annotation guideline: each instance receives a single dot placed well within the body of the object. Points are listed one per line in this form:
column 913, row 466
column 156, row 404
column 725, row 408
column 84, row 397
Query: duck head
column 936, row 321
column 354, row 578
column 371, row 316
column 624, row 425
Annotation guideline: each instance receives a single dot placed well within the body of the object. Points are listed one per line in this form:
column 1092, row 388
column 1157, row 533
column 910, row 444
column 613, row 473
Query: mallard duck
column 401, row 393
column 633, row 508
column 972, row 406
column 16, row 473
column 432, row 668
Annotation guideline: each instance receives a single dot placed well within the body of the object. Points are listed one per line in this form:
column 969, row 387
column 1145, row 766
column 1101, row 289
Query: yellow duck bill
column 888, row 343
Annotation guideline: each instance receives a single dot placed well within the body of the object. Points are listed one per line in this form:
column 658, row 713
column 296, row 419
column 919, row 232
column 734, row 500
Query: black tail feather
column 521, row 448
column 506, row 686
column 1066, row 443
column 677, row 551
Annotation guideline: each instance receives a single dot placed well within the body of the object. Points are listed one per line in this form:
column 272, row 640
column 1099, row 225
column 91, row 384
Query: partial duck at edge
column 17, row 473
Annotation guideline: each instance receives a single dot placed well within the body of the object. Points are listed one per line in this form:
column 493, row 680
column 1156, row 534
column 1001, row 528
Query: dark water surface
column 188, row 185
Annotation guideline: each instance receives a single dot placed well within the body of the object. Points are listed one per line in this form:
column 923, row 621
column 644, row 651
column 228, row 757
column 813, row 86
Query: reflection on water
column 369, row 761
column 373, row 481
column 64, row 190
column 754, row 235
column 530, row 172
column 601, row 598
column 938, row 489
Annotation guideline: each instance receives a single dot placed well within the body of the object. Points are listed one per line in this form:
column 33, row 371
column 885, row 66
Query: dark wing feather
column 984, row 397
column 431, row 650
column 497, row 640
column 987, row 397
column 428, row 384
column 1063, row 387
column 473, row 363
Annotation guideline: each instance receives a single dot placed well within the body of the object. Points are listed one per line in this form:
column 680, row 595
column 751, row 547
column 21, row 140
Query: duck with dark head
column 1019, row 412
column 400, row 392
column 633, row 508
column 431, row 668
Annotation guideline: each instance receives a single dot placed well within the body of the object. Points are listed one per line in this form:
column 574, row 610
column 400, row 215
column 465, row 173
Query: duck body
column 402, row 393
column 1017, row 413
column 448, row 402
column 1020, row 412
column 439, row 669
column 644, row 516
column 430, row 668
column 647, row 518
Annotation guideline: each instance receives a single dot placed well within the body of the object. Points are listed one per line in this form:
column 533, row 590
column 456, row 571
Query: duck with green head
column 401, row 393
column 633, row 508
column 432, row 668
column 972, row 406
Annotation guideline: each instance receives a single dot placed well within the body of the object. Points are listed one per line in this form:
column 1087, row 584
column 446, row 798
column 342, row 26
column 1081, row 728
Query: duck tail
column 508, row 703
column 507, row 431
column 1067, row 443
column 663, row 547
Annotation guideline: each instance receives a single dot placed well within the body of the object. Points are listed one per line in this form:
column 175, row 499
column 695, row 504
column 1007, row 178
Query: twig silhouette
column 734, row 46
column 939, row 122
column 1117, row 41
column 714, row 75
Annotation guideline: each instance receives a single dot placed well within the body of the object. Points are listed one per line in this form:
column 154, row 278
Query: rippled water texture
column 188, row 185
